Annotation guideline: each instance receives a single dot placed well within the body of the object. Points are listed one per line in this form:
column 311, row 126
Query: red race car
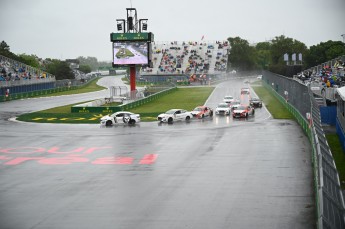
column 243, row 111
column 202, row 111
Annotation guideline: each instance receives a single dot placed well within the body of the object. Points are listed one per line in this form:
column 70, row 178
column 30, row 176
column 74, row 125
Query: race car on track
column 243, row 111
column 228, row 99
column 175, row 115
column 255, row 102
column 202, row 111
column 234, row 104
column 120, row 117
column 245, row 91
column 223, row 109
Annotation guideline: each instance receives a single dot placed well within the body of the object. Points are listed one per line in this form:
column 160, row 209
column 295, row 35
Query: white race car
column 175, row 115
column 223, row 109
column 234, row 104
column 120, row 117
column 228, row 99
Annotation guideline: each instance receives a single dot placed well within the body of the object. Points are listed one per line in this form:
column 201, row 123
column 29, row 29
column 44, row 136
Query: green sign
column 130, row 37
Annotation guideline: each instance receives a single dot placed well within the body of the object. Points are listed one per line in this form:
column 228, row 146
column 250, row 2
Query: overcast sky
column 66, row 29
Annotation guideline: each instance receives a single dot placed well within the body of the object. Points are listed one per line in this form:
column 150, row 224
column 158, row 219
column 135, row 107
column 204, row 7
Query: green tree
column 60, row 69
column 30, row 60
column 263, row 50
column 323, row 52
column 90, row 61
column 85, row 68
column 242, row 56
column 5, row 51
column 4, row 46
column 280, row 46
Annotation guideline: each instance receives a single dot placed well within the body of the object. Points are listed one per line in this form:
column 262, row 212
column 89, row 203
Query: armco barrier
column 108, row 110
column 37, row 91
column 330, row 208
column 34, row 93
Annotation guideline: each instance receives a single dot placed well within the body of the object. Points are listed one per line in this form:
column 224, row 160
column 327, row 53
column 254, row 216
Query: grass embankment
column 272, row 104
column 338, row 155
column 90, row 87
column 184, row 98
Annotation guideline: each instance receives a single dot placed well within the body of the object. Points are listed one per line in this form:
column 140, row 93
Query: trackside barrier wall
column 330, row 208
column 33, row 90
column 19, row 89
column 24, row 95
column 122, row 107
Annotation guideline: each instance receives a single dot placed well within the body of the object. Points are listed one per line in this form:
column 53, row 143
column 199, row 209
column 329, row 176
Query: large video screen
column 130, row 53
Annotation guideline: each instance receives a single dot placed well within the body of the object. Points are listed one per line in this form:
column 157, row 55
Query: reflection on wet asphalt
column 218, row 172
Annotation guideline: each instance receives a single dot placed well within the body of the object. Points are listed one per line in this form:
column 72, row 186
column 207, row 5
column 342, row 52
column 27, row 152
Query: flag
column 202, row 38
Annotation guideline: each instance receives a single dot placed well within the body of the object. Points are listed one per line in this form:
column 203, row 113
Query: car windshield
column 255, row 99
column 171, row 111
column 198, row 109
column 240, row 108
column 223, row 105
column 228, row 97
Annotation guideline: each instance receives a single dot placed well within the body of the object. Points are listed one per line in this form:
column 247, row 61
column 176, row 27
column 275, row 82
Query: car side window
column 178, row 112
column 119, row 115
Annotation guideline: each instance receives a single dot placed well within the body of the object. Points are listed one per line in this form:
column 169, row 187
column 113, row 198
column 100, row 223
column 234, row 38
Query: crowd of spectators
column 196, row 63
column 172, row 59
column 328, row 76
column 188, row 57
column 13, row 71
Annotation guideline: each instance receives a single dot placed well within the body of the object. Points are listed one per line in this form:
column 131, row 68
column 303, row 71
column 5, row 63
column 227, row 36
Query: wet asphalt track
column 212, row 173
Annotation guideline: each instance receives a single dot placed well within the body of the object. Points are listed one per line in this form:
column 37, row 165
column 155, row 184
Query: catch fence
column 303, row 104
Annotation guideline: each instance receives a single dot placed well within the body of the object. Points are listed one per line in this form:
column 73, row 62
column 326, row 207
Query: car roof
column 174, row 109
column 123, row 112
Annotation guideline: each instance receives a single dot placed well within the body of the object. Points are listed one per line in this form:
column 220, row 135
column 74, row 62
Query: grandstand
column 16, row 73
column 325, row 78
column 187, row 58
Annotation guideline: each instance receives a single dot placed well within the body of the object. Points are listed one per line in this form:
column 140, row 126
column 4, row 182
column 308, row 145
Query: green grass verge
column 90, row 87
column 338, row 155
column 273, row 105
column 184, row 98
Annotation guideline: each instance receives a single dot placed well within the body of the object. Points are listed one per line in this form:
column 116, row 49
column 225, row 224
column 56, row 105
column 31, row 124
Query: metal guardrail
column 25, row 82
column 331, row 202
column 33, row 93
column 329, row 199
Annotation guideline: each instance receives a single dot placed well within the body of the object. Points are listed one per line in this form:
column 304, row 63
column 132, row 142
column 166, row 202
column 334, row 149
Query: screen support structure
column 132, row 72
column 132, row 32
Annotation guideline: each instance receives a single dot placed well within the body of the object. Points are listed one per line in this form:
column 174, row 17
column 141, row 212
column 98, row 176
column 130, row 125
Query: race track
column 212, row 173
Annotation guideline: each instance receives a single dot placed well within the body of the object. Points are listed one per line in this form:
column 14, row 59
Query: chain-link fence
column 300, row 101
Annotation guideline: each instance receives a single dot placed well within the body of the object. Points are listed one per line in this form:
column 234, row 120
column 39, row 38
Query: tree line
column 266, row 55
column 269, row 55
